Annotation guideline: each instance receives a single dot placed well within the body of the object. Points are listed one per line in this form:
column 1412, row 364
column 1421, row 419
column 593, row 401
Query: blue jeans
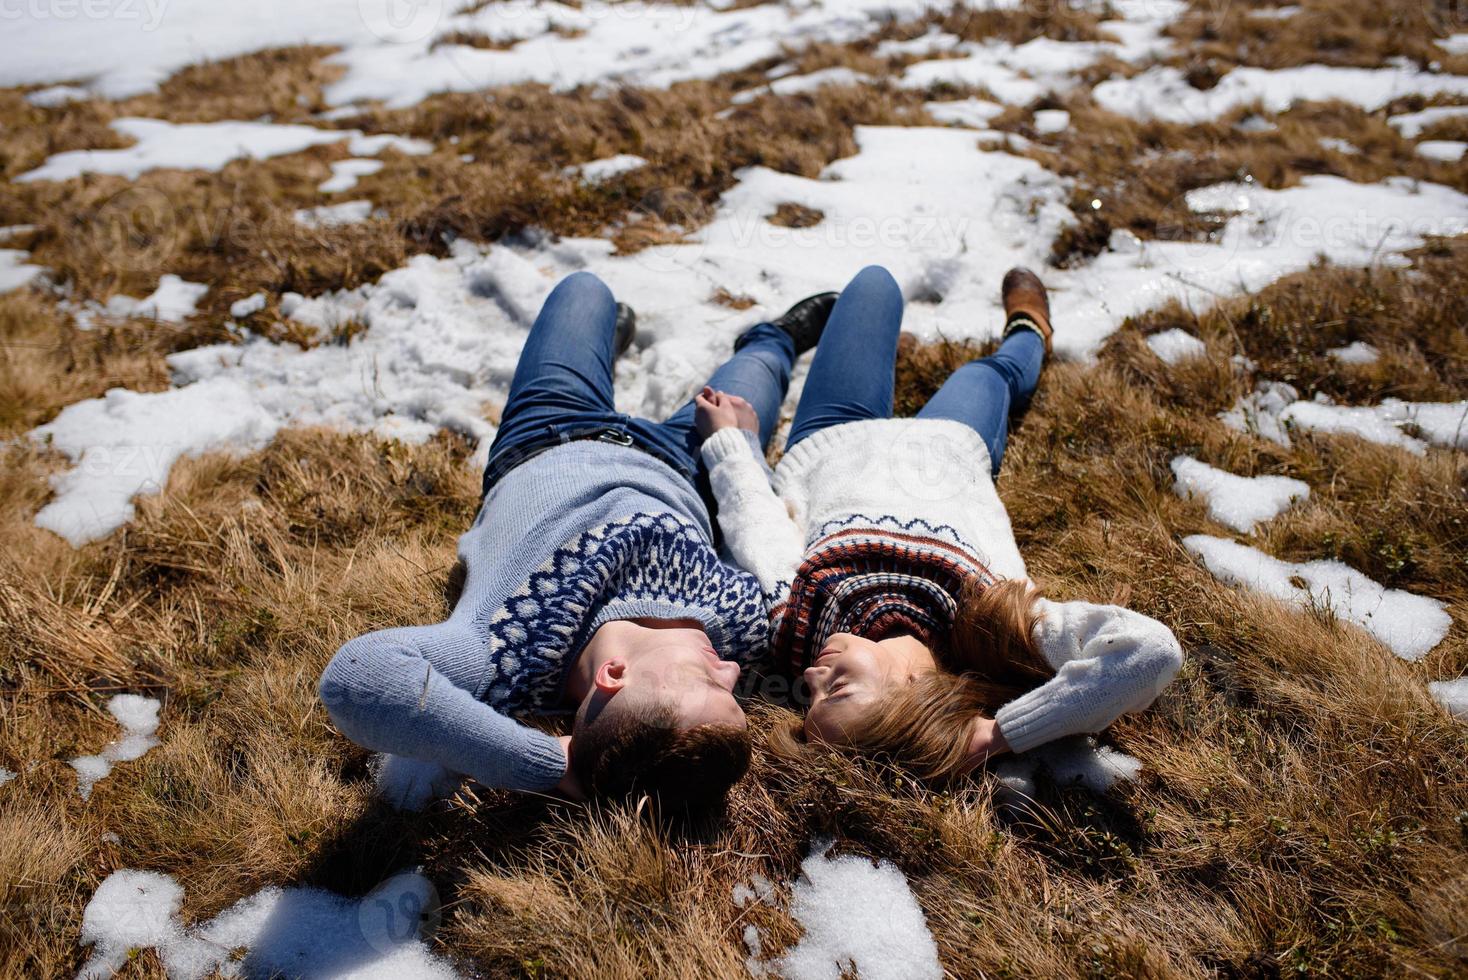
column 562, row 389
column 851, row 376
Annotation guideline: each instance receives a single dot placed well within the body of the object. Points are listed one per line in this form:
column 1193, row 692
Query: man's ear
column 611, row 676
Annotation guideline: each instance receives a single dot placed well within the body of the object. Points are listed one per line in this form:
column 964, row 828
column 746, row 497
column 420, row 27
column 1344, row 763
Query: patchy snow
column 1367, row 423
column 973, row 113
column 6, row 775
column 412, row 784
column 298, row 932
column 125, row 443
column 443, row 334
column 794, row 84
column 242, row 308
column 57, row 95
column 1164, row 93
column 1340, row 146
column 933, row 42
column 1356, row 352
column 1274, row 13
column 174, row 301
column 205, row 146
column 15, row 272
column 138, row 717
column 1409, row 624
column 1445, row 151
column 1259, row 412
column 1016, row 74
column 1452, row 695
column 1274, row 408
column 1241, row 502
column 1176, row 345
column 857, row 917
column 1051, row 121
column 362, row 145
column 1455, row 44
column 335, row 215
column 608, row 168
column 1413, row 124
column 346, row 173
column 1440, row 423
column 1070, row 762
column 182, row 146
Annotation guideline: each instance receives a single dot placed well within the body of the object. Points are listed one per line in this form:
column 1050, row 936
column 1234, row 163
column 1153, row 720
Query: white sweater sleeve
column 1108, row 661
column 758, row 530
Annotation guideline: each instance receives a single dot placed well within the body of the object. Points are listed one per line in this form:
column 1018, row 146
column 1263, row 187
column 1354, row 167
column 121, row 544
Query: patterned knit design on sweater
column 872, row 576
column 533, row 637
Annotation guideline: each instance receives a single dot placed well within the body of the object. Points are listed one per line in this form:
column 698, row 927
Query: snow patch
column 298, row 932
column 346, row 173
column 1274, row 13
column 1164, row 92
column 1441, row 423
column 794, row 84
column 1176, row 345
column 1452, row 695
column 6, row 775
column 412, row 784
column 1240, row 502
column 859, row 917
column 973, row 113
column 57, row 95
column 1051, row 121
column 601, row 171
column 242, row 308
column 335, row 215
column 1445, row 151
column 138, row 717
column 174, row 301
column 1356, row 352
column 1412, row 124
column 14, row 271
column 1070, row 762
column 204, row 146
column 1409, row 624
column 124, row 444
column 1454, row 44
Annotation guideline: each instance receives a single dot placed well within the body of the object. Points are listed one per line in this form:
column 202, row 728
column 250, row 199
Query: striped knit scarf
column 873, row 582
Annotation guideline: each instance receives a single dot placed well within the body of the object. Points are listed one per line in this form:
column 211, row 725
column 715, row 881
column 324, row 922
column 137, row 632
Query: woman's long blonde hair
column 990, row 657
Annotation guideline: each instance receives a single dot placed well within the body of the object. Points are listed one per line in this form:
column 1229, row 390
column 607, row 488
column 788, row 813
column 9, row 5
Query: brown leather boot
column 1026, row 306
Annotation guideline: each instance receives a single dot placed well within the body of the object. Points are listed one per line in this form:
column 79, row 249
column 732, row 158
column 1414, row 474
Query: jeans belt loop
column 616, row 437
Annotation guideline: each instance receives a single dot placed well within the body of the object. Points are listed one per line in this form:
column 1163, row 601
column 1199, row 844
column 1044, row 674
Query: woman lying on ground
column 895, row 583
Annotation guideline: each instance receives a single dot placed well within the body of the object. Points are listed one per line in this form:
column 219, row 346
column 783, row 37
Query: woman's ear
column 611, row 676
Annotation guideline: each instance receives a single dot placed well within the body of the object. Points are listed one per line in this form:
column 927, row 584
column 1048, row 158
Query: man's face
column 678, row 667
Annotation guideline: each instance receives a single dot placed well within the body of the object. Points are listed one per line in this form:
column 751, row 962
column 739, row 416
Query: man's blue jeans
column 851, row 376
column 562, row 389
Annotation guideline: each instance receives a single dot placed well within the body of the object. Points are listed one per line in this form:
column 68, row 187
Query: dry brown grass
column 1304, row 808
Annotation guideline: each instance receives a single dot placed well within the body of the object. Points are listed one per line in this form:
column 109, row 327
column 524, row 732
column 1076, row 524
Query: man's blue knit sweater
column 578, row 536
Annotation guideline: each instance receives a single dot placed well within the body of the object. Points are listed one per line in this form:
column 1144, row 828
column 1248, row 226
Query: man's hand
column 568, row 786
column 986, row 742
column 715, row 410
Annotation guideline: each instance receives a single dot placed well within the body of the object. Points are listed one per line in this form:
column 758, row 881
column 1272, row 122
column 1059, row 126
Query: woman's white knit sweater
column 917, row 493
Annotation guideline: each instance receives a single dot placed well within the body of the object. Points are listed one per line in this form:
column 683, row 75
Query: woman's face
column 852, row 673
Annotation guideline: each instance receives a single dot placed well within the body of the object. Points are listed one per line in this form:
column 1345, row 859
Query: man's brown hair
column 687, row 774
column 990, row 657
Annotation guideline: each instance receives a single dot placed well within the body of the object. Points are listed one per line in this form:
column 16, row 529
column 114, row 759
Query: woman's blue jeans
column 851, row 376
column 562, row 389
